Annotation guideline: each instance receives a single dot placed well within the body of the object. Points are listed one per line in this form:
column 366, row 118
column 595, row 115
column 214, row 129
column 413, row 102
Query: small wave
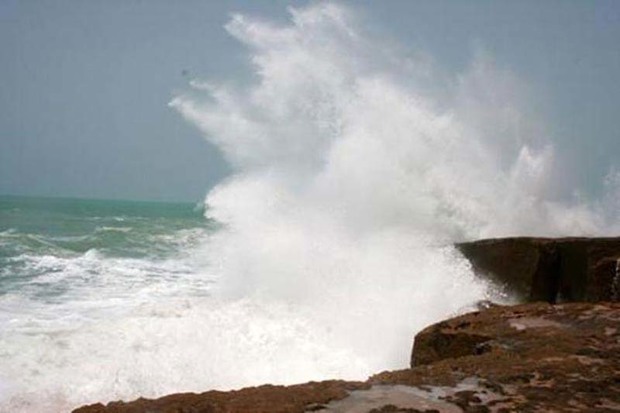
column 114, row 229
column 109, row 218
column 38, row 241
column 7, row 237
column 181, row 239
column 52, row 277
column 69, row 238
column 8, row 232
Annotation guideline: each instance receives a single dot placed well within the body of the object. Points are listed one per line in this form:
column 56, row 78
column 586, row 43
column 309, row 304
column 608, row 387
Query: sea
column 103, row 300
column 68, row 265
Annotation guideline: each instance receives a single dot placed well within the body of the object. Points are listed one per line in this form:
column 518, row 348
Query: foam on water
column 355, row 168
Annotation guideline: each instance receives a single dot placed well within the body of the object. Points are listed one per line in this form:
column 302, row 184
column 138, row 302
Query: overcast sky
column 86, row 84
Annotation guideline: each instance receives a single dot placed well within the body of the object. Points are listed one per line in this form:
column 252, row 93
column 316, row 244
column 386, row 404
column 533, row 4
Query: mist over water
column 338, row 127
column 356, row 166
column 355, row 171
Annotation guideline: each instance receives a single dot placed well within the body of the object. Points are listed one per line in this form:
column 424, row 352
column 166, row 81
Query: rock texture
column 526, row 358
column 262, row 399
column 551, row 270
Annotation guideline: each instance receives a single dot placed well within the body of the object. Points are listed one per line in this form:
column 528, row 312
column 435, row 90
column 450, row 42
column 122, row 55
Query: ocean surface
column 69, row 264
column 105, row 300
column 52, row 248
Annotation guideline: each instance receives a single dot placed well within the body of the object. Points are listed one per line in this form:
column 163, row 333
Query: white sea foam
column 355, row 168
column 113, row 229
column 354, row 172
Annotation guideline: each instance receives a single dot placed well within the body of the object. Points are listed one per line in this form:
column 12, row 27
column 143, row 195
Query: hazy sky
column 86, row 84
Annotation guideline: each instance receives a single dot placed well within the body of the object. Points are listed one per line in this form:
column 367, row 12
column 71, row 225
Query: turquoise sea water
column 75, row 275
column 40, row 237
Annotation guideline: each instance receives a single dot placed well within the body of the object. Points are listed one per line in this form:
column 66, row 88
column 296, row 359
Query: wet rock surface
column 525, row 358
column 550, row 269
column 531, row 357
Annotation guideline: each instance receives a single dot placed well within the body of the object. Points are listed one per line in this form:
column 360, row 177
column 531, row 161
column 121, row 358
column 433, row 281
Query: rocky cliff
column 551, row 270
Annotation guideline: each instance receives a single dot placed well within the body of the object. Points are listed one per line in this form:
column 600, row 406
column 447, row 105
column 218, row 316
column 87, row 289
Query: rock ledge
column 526, row 358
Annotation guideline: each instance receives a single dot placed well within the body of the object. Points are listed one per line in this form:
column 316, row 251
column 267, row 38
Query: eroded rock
column 551, row 270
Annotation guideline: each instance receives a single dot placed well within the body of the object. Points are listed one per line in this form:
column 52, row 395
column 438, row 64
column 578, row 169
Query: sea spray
column 355, row 168
column 340, row 128
column 351, row 180
column 353, row 174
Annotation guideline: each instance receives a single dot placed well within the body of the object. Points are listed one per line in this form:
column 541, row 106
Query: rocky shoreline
column 562, row 354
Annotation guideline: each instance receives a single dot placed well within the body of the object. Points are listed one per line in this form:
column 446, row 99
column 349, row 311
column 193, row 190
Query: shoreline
column 561, row 354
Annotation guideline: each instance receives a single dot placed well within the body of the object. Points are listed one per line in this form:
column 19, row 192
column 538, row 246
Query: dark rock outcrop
column 525, row 358
column 551, row 270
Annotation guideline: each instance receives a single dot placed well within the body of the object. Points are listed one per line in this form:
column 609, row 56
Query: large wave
column 337, row 127
column 356, row 166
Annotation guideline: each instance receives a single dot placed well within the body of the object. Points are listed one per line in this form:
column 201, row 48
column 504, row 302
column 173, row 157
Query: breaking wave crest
column 356, row 167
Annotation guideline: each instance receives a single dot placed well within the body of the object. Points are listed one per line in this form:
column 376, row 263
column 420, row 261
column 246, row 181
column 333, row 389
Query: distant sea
column 50, row 246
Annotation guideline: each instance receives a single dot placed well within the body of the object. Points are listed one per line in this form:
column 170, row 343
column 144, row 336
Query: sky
column 86, row 85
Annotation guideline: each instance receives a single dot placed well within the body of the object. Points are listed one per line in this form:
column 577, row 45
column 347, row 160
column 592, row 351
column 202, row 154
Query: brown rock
column 530, row 357
column 545, row 269
column 263, row 399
